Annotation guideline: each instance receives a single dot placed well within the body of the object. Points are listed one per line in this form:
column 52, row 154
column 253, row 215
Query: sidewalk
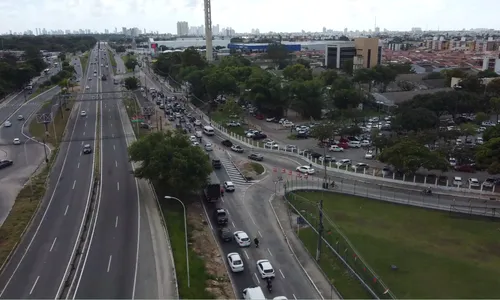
column 307, row 262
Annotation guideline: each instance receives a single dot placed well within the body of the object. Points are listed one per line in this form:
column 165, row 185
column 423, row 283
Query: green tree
column 169, row 159
column 268, row 93
column 324, row 131
column 468, row 129
column 493, row 88
column 365, row 76
column 131, row 83
column 491, row 133
column 348, row 67
column 278, row 53
column 329, row 76
column 450, row 73
column 297, row 72
column 471, row 83
column 307, row 98
column 220, row 83
column 415, row 119
column 488, row 155
column 481, row 117
column 345, row 98
column 495, row 106
column 384, row 76
column 409, row 156
column 231, row 107
column 487, row 74
column 406, row 85
column 131, row 62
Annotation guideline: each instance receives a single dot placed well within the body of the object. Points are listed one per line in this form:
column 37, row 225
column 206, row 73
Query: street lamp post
column 185, row 236
column 27, row 164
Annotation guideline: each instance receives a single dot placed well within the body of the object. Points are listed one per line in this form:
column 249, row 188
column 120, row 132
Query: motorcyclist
column 269, row 284
column 256, row 242
column 222, row 191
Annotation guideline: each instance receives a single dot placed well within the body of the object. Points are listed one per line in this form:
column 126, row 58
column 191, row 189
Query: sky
column 243, row 15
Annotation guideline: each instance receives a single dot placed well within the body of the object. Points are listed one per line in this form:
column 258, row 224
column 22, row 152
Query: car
column 305, row 170
column 193, row 139
column 265, row 269
column 259, row 136
column 457, row 181
column 195, row 143
column 20, row 117
column 326, row 159
column 221, row 216
column 489, row 182
column 87, row 87
column 271, row 145
column 235, row 262
column 256, row 156
column 343, row 162
column 359, row 166
column 197, row 123
column 87, row 149
column 242, row 238
column 4, row 163
column 237, row 149
column 225, row 234
column 229, row 186
column 90, row 78
column 473, row 182
column 365, row 143
column 290, row 148
column 7, row 124
column 468, row 168
column 369, row 155
column 227, row 143
column 17, row 141
column 354, row 144
column 335, row 148
column 233, row 124
column 83, row 113
column 208, row 147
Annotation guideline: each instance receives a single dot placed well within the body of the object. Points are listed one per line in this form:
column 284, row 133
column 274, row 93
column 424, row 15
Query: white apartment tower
column 182, row 28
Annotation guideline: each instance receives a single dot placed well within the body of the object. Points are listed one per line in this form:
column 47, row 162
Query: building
column 363, row 52
column 261, row 47
column 182, row 28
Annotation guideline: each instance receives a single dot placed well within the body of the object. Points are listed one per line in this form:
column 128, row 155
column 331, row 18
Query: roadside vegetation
column 112, row 59
column 130, row 61
column 185, row 171
column 84, row 61
column 31, row 195
column 436, row 254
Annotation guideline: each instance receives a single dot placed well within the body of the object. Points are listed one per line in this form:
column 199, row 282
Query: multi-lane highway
column 110, row 265
column 38, row 267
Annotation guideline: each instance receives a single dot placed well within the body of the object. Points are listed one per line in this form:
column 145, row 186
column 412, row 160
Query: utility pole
column 148, row 111
column 320, row 230
column 45, row 119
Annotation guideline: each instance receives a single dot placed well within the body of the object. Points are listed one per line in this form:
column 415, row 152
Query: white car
column 229, row 186
column 365, row 143
column 7, row 124
column 17, row 141
column 335, row 148
column 473, row 182
column 208, row 147
column 265, row 269
column 305, row 170
column 87, row 87
column 287, row 124
column 369, row 155
column 83, row 113
column 197, row 123
column 235, row 262
column 271, row 145
column 195, row 143
column 354, row 144
column 242, row 238
column 359, row 166
column 20, row 117
column 343, row 162
column 193, row 139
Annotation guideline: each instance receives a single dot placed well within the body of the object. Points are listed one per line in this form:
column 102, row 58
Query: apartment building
column 182, row 28
column 363, row 52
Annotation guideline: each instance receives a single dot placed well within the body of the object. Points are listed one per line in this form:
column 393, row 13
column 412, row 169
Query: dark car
column 225, row 234
column 259, row 136
column 216, row 164
column 220, row 216
column 256, row 156
column 87, row 149
column 4, row 163
column 227, row 143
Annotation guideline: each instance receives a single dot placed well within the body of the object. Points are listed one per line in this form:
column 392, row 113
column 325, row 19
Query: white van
column 198, row 133
column 208, row 130
column 253, row 293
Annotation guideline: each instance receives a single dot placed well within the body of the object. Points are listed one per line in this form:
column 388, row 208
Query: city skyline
column 276, row 16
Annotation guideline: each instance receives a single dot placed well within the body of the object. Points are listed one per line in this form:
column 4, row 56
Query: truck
column 253, row 293
column 211, row 191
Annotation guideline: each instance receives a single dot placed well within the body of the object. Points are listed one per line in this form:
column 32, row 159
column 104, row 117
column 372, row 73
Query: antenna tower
column 208, row 30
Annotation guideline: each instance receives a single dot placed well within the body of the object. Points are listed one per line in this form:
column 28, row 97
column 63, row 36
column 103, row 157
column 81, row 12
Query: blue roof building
column 261, row 47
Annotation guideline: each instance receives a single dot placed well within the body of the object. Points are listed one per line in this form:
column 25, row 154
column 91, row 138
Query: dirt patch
column 203, row 243
column 248, row 170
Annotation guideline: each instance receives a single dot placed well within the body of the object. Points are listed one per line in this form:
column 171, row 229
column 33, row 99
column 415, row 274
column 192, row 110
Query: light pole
column 27, row 164
column 185, row 236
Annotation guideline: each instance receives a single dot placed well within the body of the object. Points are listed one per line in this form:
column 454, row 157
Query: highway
column 110, row 265
column 38, row 267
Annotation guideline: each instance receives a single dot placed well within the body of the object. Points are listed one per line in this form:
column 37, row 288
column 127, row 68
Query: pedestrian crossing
column 233, row 172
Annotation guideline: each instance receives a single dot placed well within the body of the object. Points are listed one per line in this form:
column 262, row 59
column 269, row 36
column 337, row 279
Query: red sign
column 283, row 171
column 275, row 170
column 290, row 172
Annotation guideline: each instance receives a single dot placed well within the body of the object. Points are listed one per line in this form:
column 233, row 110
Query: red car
column 259, row 117
column 343, row 145
column 466, row 168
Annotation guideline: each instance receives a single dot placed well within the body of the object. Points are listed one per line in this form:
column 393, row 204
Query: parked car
column 227, row 143
column 237, row 149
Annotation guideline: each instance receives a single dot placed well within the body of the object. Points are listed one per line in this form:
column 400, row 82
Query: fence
column 304, row 215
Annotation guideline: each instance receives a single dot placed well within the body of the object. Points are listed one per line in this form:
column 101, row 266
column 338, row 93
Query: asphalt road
column 37, row 268
column 111, row 262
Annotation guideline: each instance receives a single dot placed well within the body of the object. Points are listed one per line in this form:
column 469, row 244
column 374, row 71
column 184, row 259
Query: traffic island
column 30, row 197
column 250, row 170
column 84, row 61
column 113, row 61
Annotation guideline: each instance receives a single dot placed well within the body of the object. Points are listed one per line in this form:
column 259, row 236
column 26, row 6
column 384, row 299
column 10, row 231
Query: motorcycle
column 427, row 192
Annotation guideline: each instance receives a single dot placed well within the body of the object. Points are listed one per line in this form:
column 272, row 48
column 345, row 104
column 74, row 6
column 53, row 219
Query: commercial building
column 363, row 52
column 261, row 47
column 182, row 28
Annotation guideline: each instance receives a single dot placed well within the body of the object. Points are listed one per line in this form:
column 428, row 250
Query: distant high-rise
column 182, row 28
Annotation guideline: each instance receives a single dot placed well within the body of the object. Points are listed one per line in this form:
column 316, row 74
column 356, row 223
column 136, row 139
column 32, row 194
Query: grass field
column 222, row 119
column 29, row 197
column 438, row 255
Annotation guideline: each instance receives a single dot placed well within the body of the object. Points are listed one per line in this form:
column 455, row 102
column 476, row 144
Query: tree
column 487, row 74
column 304, row 62
column 278, row 53
column 220, row 83
column 402, row 68
column 324, row 131
column 468, row 129
column 481, row 117
column 472, row 84
column 493, row 88
column 307, row 98
column 409, row 156
column 345, row 98
column 131, row 62
column 406, row 85
column 384, row 76
column 297, row 72
column 232, row 107
column 488, row 155
column 415, row 119
column 365, row 76
column 329, row 76
column 495, row 106
column 131, row 83
column 170, row 160
column 348, row 66
column 450, row 73
column 268, row 93
column 491, row 133
column 62, row 56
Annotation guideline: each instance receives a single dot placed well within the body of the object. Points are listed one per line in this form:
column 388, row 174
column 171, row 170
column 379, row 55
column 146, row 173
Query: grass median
column 84, row 60
column 418, row 253
column 30, row 196
column 113, row 61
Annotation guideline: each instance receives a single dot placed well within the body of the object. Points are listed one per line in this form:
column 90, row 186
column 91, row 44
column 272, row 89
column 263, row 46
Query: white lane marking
column 109, row 262
column 34, row 284
column 116, row 164
column 117, row 186
column 282, row 274
column 233, row 224
column 269, row 252
column 81, row 143
column 256, row 277
column 246, row 254
column 78, row 166
column 260, row 233
column 114, row 147
column 113, row 135
column 116, row 222
column 74, row 183
column 53, row 243
column 294, row 296
column 66, row 210
column 84, row 133
column 85, row 124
